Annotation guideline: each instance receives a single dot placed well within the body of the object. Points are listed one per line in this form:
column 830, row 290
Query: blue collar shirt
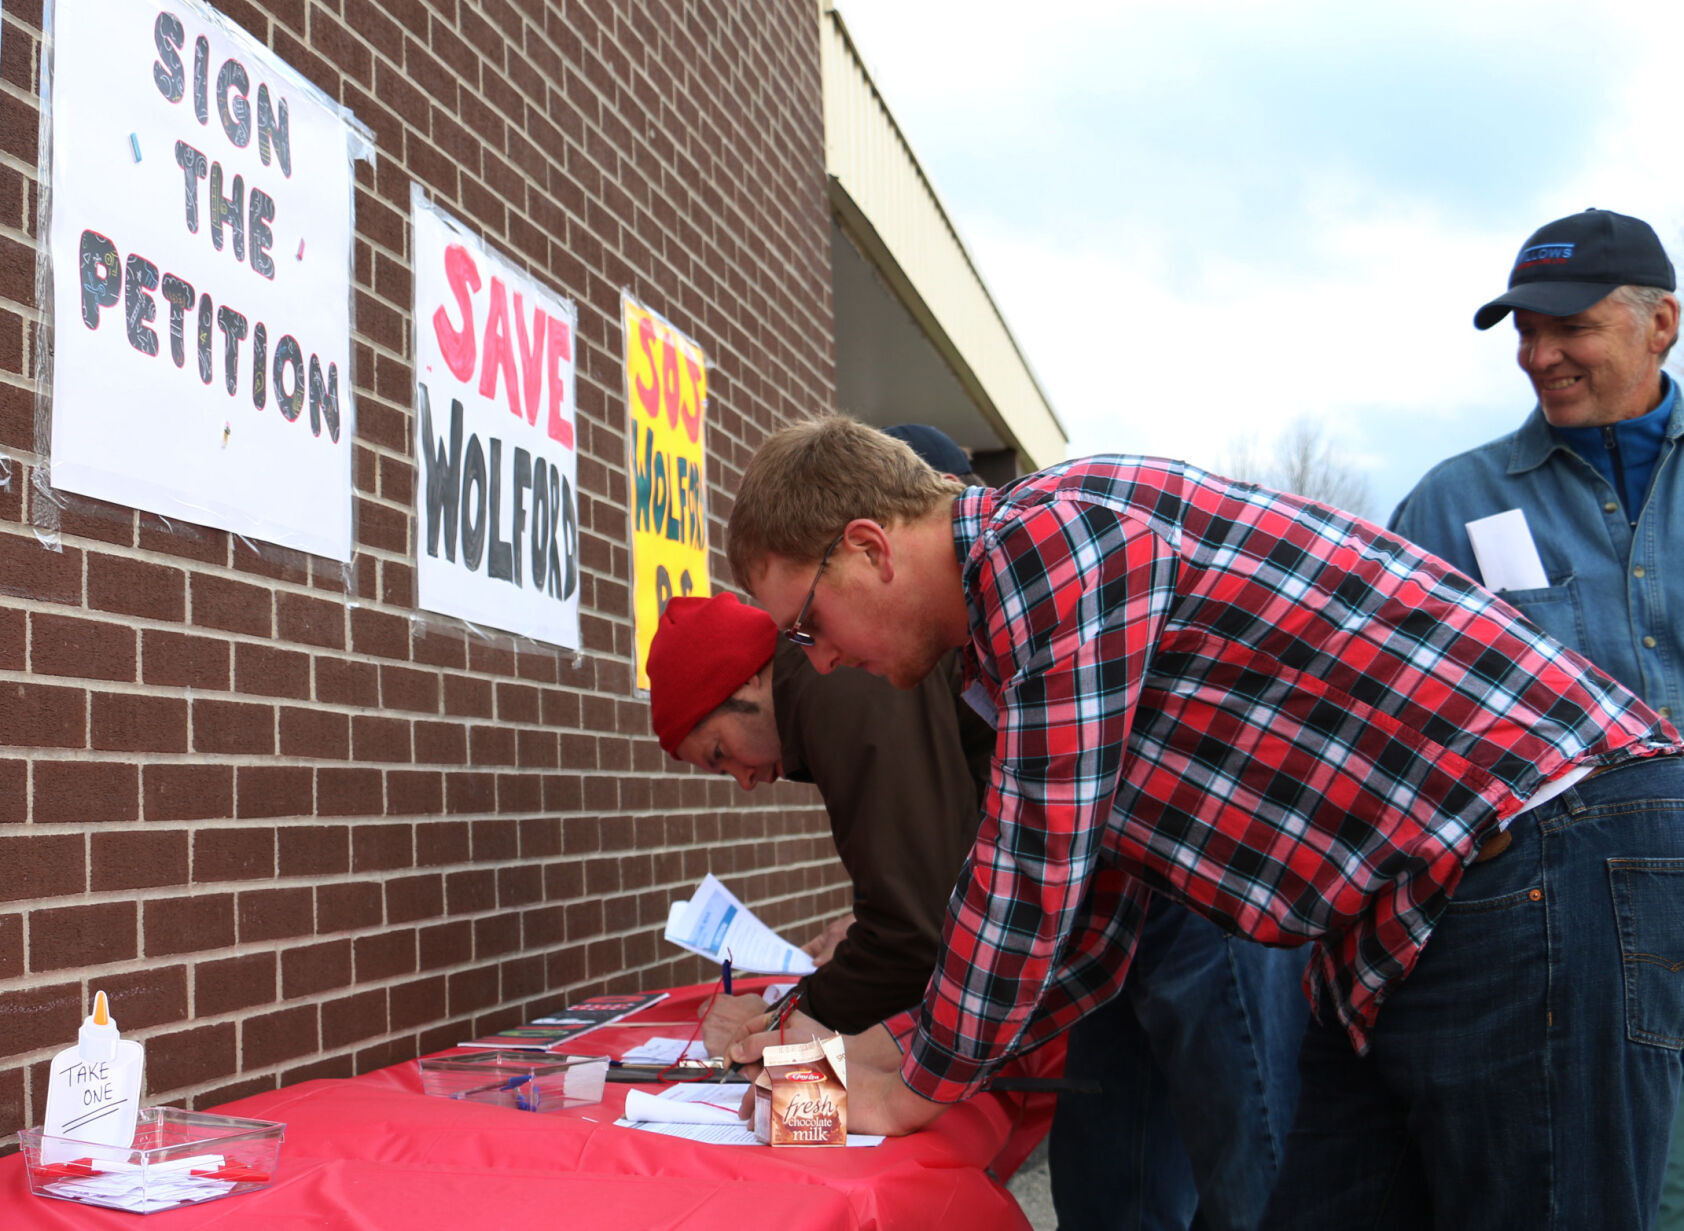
column 1616, row 582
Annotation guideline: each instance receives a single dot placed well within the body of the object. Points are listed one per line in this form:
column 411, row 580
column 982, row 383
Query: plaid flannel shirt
column 1273, row 712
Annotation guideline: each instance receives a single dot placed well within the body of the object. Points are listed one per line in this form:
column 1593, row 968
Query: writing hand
column 724, row 1018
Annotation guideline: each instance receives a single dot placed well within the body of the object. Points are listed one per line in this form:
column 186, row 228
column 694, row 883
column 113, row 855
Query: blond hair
column 811, row 479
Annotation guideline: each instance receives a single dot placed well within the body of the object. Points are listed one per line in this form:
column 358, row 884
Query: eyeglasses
column 795, row 633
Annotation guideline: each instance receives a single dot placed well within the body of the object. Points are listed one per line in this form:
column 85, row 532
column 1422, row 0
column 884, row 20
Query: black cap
column 1567, row 265
column 933, row 445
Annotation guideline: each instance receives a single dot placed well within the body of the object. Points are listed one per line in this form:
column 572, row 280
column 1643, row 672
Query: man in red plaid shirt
column 1306, row 730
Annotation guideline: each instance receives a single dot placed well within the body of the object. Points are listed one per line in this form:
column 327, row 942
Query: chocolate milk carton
column 801, row 1097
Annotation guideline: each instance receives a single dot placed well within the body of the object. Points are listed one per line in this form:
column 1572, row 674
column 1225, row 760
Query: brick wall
column 296, row 835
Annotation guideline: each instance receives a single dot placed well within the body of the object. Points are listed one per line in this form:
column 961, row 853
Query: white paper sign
column 496, row 514
column 201, row 247
column 1508, row 558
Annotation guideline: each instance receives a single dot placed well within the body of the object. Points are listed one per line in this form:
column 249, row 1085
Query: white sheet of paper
column 1508, row 558
column 666, row 1051
column 714, row 921
column 702, row 1103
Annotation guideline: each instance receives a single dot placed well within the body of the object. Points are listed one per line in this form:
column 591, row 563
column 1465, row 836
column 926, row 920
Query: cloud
column 1204, row 219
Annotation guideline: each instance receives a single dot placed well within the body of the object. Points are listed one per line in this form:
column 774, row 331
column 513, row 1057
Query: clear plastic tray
column 178, row 1158
column 525, row 1081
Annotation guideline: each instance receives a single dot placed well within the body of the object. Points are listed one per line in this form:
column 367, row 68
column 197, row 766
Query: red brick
column 274, row 790
column 40, row 716
column 447, row 944
column 416, row 1002
column 522, row 793
column 85, row 517
column 470, row 991
column 403, row 688
column 183, row 660
column 313, row 732
column 376, row 737
column 130, row 722
column 349, row 906
column 349, row 792
column 136, row 587
column 188, row 925
column 441, row 842
column 408, row 793
column 14, row 792
column 468, row 697
column 378, row 848
column 308, row 969
column 156, row 996
column 470, row 792
column 379, row 633
column 274, row 914
column 441, row 647
column 87, row 649
column 235, row 606
column 491, row 745
column 314, row 850
column 441, row 743
column 384, row 956
column 30, row 570
column 495, row 935
column 14, row 637
column 233, row 726
column 517, row 703
column 228, row 984
column 470, row 891
column 82, row 792
column 38, row 1018
column 269, row 1038
column 143, row 859
column 340, row 681
column 409, row 898
column 184, row 539
column 267, row 671
column 11, row 947
column 235, row 853
column 189, row 1058
column 310, row 621
column 42, row 866
column 272, row 561
column 82, row 936
column 187, row 792
column 353, row 1018
column 13, row 1114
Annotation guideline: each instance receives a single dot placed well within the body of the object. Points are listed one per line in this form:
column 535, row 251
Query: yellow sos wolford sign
column 666, row 410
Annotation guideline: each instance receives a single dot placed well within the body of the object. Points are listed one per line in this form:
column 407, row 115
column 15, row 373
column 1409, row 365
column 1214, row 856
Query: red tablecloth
column 375, row 1153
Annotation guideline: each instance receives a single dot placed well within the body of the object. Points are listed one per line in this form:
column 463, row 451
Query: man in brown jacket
column 898, row 771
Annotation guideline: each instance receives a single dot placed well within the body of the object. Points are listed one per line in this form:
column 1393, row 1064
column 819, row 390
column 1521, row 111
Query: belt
column 1499, row 840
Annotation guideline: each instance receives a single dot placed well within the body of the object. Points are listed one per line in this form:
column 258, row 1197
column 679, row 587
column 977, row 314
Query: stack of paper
column 713, row 923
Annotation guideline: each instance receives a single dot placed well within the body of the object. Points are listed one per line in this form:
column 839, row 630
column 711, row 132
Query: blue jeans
column 1196, row 1057
column 1525, row 1074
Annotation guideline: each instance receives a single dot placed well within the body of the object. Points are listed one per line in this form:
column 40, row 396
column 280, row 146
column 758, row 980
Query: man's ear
column 867, row 537
column 1664, row 325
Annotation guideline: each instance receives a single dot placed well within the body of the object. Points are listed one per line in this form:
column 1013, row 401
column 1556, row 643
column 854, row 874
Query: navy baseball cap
column 1567, row 265
column 933, row 445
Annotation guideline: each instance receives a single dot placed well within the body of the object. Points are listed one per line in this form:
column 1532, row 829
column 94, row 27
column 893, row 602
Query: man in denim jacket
column 1595, row 468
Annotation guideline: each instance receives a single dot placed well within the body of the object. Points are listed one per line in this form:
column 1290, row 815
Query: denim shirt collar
column 1534, row 442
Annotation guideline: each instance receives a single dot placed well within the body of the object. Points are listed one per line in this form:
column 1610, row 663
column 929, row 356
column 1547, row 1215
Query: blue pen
column 525, row 1100
column 725, row 973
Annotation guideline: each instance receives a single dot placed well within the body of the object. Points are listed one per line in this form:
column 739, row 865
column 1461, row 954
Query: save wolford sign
column 497, row 516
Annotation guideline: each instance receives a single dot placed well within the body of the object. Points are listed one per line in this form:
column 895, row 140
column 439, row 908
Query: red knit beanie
column 703, row 651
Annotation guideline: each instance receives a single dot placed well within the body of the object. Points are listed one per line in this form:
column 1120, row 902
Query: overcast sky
column 1272, row 210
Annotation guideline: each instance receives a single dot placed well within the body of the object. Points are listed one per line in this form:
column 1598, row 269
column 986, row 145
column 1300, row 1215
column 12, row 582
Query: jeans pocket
column 1649, row 909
